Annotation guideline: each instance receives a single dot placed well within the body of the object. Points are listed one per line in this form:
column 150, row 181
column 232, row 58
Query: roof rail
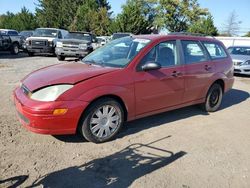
column 187, row 33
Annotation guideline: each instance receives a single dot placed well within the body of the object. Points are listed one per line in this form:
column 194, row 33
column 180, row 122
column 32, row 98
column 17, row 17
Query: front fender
column 124, row 93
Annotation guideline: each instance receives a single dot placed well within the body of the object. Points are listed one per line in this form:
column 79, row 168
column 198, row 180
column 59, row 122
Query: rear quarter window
column 193, row 52
column 215, row 50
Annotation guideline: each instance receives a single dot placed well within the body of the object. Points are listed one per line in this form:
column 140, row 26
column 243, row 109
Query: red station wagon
column 129, row 78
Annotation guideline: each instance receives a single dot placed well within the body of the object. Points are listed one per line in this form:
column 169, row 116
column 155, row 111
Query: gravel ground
column 182, row 148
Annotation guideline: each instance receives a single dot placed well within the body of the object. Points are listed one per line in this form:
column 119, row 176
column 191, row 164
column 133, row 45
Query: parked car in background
column 120, row 35
column 44, row 40
column 16, row 41
column 241, row 59
column 75, row 44
column 102, row 40
column 6, row 44
column 129, row 78
column 24, row 35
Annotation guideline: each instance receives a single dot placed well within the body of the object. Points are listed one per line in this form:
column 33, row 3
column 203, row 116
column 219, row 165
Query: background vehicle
column 120, row 35
column 241, row 59
column 129, row 78
column 75, row 44
column 24, row 35
column 44, row 40
column 16, row 41
column 102, row 40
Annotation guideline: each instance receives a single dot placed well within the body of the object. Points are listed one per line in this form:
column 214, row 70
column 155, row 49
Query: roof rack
column 187, row 33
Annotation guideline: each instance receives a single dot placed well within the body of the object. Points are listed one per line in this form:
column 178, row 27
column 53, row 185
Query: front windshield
column 117, row 53
column 45, row 33
column 26, row 33
column 78, row 36
column 239, row 50
column 119, row 35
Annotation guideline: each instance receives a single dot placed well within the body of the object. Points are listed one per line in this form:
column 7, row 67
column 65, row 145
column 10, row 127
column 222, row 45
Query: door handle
column 176, row 74
column 208, row 68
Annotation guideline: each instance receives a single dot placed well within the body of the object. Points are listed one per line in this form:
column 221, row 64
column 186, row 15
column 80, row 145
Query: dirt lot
column 182, row 148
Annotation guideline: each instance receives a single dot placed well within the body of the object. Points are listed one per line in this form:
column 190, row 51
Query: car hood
column 70, row 73
column 241, row 58
column 75, row 41
column 41, row 38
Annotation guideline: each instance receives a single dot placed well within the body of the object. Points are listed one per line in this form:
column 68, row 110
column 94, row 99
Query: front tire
column 60, row 58
column 31, row 54
column 213, row 98
column 15, row 49
column 102, row 120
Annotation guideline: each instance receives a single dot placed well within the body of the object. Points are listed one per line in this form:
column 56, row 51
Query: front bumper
column 245, row 69
column 38, row 116
column 40, row 49
column 68, row 52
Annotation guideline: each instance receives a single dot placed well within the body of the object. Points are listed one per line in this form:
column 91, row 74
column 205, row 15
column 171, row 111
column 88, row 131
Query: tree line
column 137, row 17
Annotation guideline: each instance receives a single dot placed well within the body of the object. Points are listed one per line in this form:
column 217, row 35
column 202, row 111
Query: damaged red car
column 127, row 79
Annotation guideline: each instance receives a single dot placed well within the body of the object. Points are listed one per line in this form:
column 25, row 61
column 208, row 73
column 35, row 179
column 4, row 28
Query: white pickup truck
column 44, row 40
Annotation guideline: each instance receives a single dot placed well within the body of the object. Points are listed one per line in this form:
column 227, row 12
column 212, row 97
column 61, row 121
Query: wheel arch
column 221, row 83
column 108, row 96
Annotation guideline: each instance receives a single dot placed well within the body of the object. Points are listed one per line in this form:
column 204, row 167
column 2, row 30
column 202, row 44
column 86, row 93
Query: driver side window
column 59, row 35
column 164, row 54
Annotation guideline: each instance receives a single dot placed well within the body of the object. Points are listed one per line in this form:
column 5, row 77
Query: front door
column 162, row 88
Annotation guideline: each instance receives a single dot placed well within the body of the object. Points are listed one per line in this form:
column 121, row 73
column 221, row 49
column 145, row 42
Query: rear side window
column 60, row 35
column 12, row 33
column 193, row 52
column 215, row 50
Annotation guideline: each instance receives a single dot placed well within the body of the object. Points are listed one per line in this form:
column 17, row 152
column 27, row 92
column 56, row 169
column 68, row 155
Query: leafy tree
column 248, row 34
column 177, row 15
column 92, row 17
column 8, row 21
column 232, row 25
column 204, row 25
column 101, row 22
column 23, row 20
column 59, row 14
column 136, row 17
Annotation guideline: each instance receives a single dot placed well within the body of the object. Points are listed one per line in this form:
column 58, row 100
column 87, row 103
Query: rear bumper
column 38, row 116
column 71, row 52
column 42, row 49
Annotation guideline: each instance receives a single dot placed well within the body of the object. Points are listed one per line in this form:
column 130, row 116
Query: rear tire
column 60, row 58
column 31, row 54
column 102, row 120
column 213, row 98
column 15, row 49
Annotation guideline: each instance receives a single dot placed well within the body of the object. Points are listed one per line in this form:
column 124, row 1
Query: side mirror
column 151, row 65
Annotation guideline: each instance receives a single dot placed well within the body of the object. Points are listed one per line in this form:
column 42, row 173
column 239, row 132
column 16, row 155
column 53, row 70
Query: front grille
column 237, row 70
column 70, row 46
column 23, row 118
column 69, row 42
column 25, row 90
column 39, row 42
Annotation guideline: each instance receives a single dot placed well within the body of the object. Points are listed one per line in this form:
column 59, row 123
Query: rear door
column 198, row 70
column 162, row 88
